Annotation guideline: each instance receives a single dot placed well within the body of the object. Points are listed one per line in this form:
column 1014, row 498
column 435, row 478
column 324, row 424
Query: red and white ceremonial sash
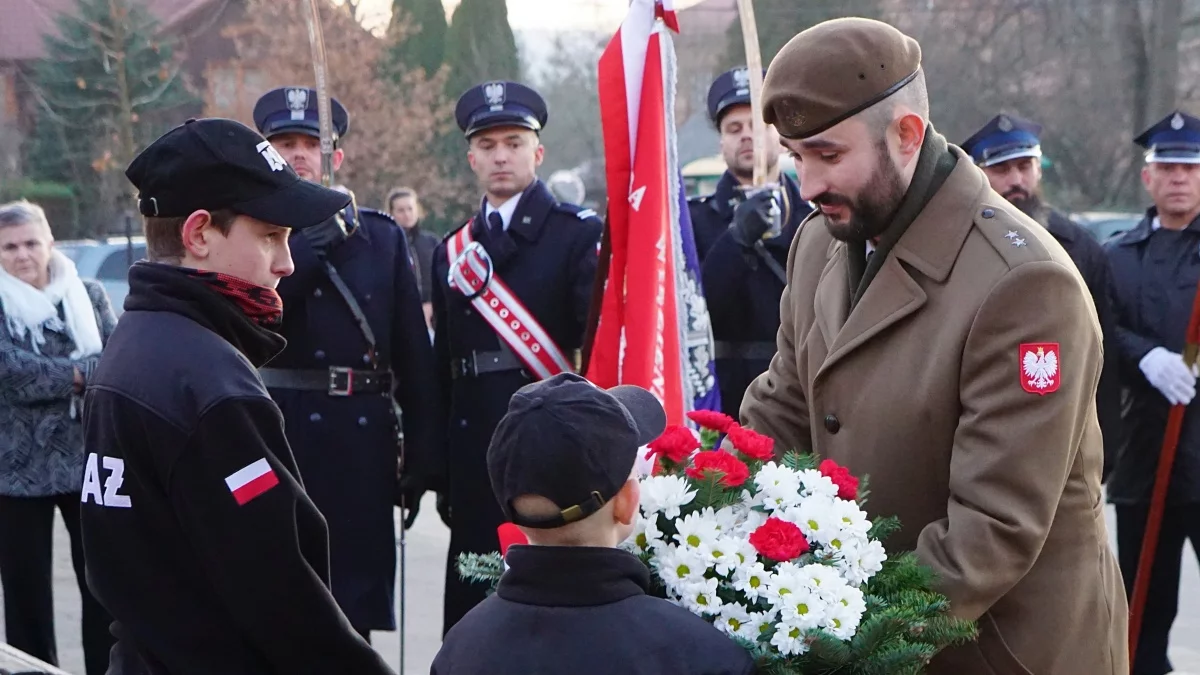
column 472, row 275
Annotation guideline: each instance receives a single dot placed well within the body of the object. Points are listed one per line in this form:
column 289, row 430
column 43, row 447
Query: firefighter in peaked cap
column 512, row 290
column 742, row 239
column 357, row 347
column 1155, row 269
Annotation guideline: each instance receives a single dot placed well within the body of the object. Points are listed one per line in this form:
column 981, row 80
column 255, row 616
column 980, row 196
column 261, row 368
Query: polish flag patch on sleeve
column 251, row 481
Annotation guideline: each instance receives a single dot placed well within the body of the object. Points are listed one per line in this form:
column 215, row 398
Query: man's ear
column 910, row 130
column 197, row 234
column 625, row 503
column 539, row 154
column 339, row 156
column 1146, row 177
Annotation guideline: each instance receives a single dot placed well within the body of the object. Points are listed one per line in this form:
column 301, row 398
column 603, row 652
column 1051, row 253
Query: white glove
column 1170, row 375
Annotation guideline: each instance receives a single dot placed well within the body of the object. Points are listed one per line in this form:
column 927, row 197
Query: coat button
column 367, row 359
column 467, row 312
column 832, row 424
column 319, row 354
column 362, row 421
column 462, row 424
column 317, row 293
column 315, row 417
column 988, row 213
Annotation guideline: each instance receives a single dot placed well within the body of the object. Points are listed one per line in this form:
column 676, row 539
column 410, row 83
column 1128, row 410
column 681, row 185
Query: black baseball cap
column 215, row 163
column 571, row 442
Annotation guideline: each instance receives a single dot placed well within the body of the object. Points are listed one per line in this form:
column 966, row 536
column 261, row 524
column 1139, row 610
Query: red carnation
column 751, row 443
column 735, row 470
column 779, row 540
column 712, row 420
column 846, row 483
column 677, row 443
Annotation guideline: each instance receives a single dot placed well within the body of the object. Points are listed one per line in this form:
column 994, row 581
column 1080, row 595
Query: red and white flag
column 251, row 481
column 653, row 328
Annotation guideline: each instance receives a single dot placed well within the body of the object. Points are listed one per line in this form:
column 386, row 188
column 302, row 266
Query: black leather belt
column 335, row 381
column 482, row 363
column 745, row 350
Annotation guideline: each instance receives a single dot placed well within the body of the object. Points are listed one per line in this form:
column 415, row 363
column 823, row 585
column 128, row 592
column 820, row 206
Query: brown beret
column 835, row 70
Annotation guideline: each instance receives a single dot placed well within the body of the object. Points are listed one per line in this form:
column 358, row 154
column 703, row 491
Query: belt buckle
column 347, row 386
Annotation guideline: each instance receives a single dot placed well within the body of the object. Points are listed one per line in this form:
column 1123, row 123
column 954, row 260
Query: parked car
column 1105, row 225
column 107, row 262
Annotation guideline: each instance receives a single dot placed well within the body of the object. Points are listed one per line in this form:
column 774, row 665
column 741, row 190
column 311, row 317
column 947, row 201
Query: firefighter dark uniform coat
column 547, row 257
column 345, row 441
column 743, row 294
column 712, row 214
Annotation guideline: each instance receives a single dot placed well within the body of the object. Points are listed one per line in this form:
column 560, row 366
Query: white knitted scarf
column 29, row 310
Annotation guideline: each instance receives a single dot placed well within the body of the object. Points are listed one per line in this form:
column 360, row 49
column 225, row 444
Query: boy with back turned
column 561, row 463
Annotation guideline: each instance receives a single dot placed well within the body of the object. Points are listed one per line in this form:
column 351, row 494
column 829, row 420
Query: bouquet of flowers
column 780, row 556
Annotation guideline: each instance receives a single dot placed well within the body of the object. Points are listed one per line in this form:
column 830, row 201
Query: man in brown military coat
column 936, row 339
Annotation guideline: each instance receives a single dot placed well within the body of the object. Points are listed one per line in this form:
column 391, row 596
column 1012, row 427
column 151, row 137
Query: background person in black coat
column 334, row 387
column 1009, row 151
column 1155, row 268
column 404, row 205
column 546, row 253
column 743, row 243
column 571, row 602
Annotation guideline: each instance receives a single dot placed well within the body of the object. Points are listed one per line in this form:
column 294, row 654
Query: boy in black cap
column 202, row 543
column 561, row 464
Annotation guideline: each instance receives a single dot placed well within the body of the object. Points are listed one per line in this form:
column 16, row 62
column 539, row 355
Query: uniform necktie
column 495, row 223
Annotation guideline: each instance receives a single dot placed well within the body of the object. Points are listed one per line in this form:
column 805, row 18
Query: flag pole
column 754, row 69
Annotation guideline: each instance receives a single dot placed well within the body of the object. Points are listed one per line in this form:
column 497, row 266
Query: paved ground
column 426, row 554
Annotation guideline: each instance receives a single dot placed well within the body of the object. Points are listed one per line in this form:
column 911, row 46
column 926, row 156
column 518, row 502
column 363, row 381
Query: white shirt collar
column 507, row 209
column 1155, row 224
column 870, row 247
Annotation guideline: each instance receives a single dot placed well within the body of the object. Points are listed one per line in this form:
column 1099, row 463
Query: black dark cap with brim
column 500, row 104
column 213, row 164
column 568, row 441
column 833, row 71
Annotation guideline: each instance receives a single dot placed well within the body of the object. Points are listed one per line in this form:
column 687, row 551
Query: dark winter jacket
column 199, row 538
column 583, row 610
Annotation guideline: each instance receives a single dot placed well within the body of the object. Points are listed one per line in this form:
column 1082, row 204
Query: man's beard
column 871, row 212
column 1029, row 203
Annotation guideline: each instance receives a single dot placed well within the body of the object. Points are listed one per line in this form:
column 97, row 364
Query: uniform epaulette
column 580, row 212
column 454, row 231
column 377, row 212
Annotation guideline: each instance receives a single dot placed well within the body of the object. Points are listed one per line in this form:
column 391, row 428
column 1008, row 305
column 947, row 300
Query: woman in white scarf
column 53, row 328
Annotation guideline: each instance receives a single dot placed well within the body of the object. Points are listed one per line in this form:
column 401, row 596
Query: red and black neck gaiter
column 260, row 304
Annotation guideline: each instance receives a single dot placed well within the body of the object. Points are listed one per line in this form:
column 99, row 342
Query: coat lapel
column 929, row 247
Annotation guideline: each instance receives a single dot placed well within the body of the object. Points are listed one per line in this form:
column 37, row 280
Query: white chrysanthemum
column 803, row 608
column 742, row 551
column 817, row 484
column 789, row 639
column 825, row 580
column 700, row 597
column 816, row 520
column 728, row 519
column 845, row 614
column 858, row 561
column 785, row 580
column 778, row 487
column 697, row 530
column 760, row 623
column 751, row 521
column 665, row 494
column 752, row 580
column 735, row 620
column 678, row 567
column 850, row 517
column 646, row 535
column 724, row 554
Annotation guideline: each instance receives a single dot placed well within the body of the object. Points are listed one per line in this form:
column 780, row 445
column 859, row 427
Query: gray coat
column 41, row 444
